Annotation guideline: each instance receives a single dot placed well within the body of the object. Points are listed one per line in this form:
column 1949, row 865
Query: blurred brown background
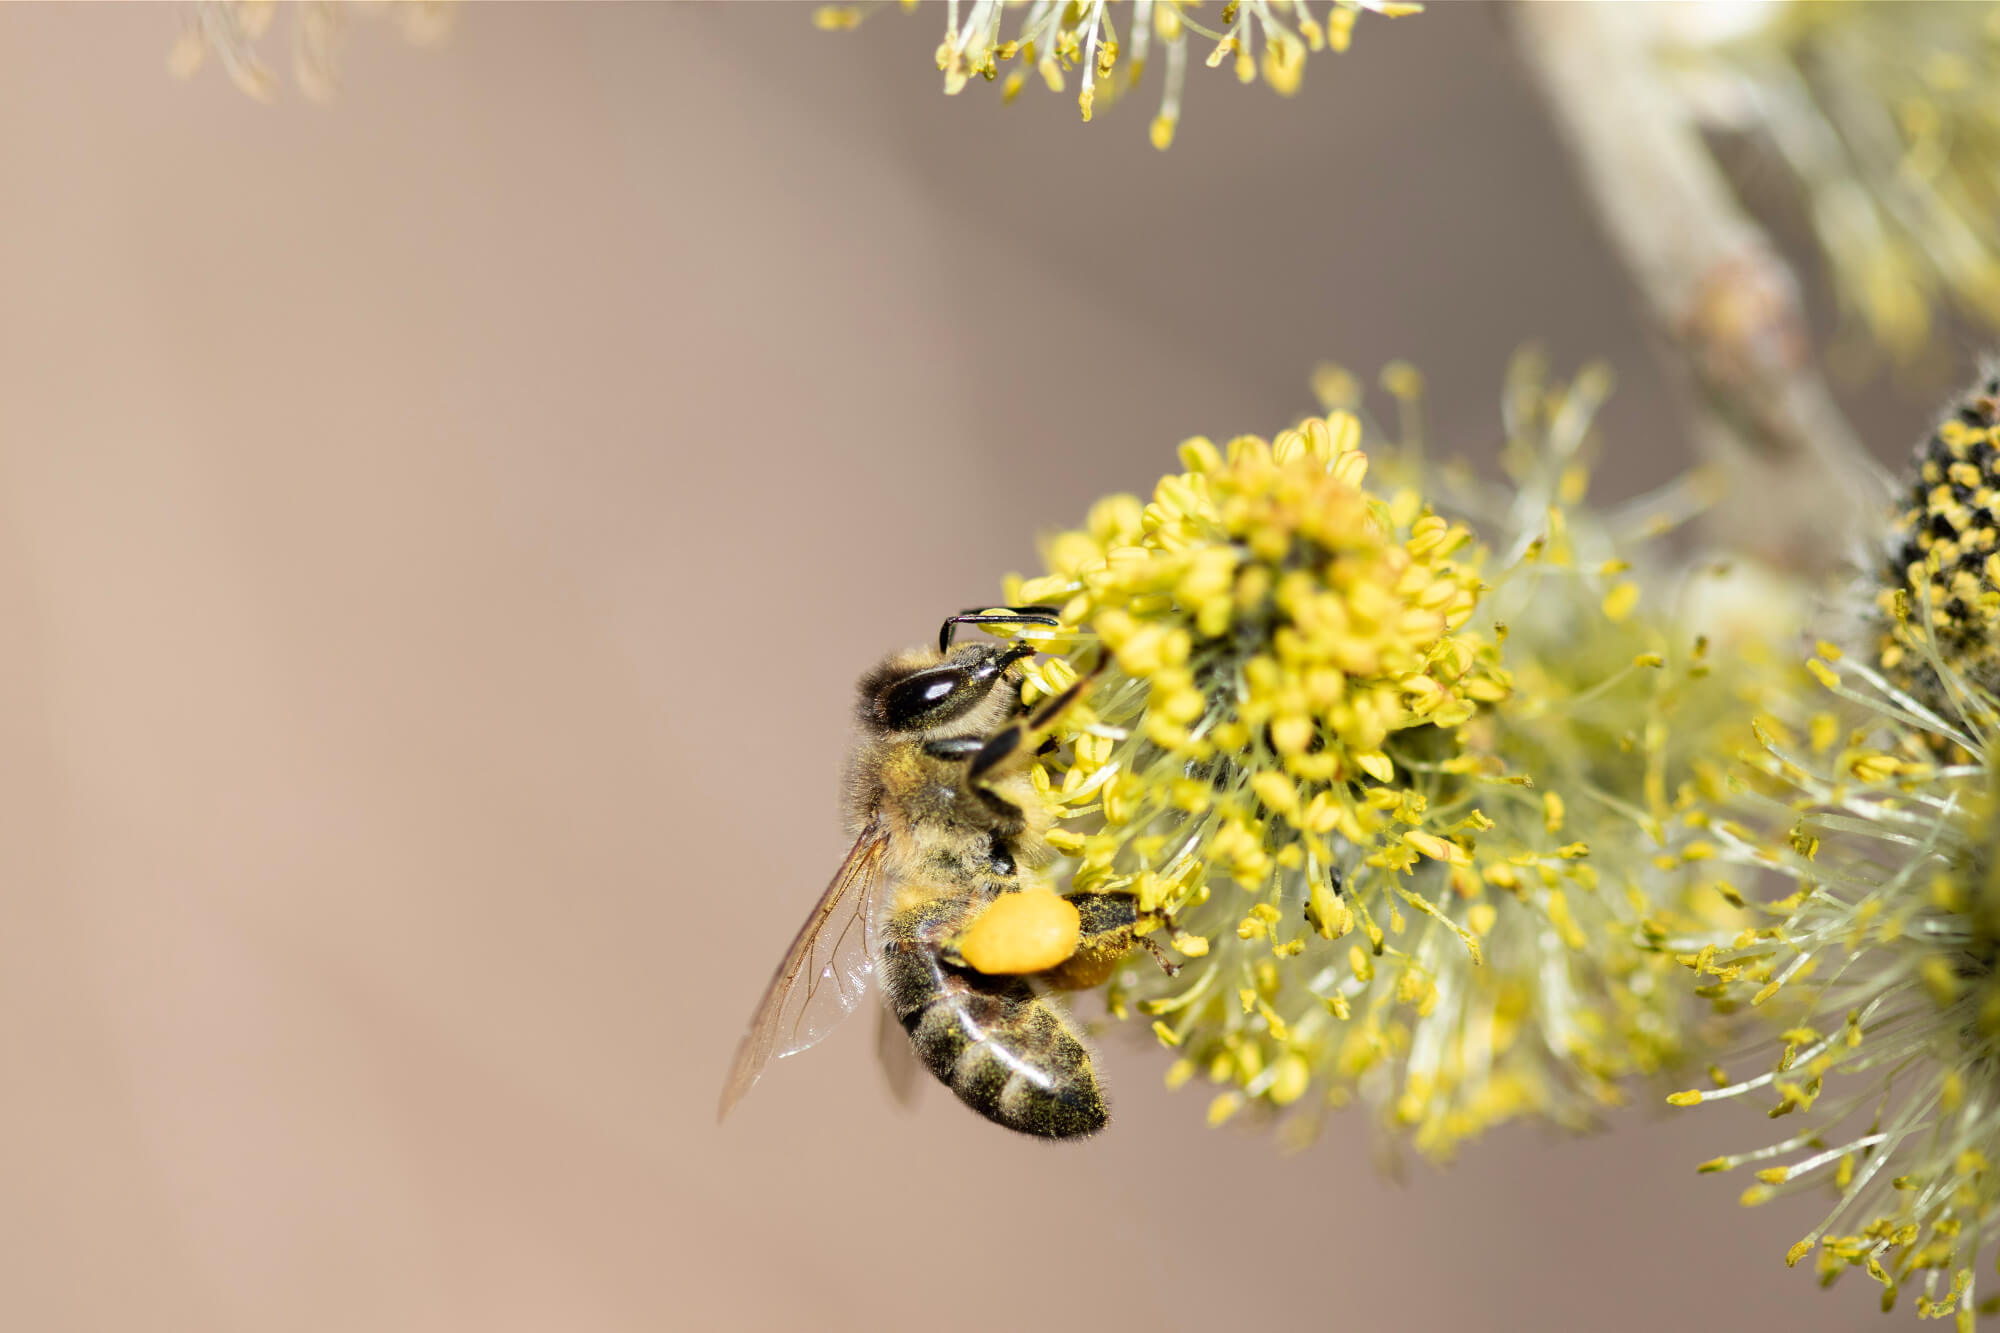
column 438, row 532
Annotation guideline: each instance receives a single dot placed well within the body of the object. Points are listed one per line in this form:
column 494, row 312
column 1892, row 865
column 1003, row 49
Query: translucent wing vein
column 824, row 974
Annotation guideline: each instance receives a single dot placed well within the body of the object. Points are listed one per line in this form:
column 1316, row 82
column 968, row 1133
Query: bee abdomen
column 1024, row 1069
column 1006, row 1052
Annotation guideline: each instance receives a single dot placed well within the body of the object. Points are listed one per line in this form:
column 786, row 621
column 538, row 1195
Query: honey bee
column 944, row 894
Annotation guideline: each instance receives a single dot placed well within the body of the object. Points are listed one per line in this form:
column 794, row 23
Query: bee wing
column 899, row 1062
column 824, row 974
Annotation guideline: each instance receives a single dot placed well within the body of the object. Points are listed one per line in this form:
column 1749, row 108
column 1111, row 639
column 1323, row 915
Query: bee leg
column 1167, row 965
column 1108, row 930
column 1116, row 927
column 1009, row 738
column 1105, row 917
column 993, row 749
column 1111, row 922
column 983, row 755
column 1005, row 818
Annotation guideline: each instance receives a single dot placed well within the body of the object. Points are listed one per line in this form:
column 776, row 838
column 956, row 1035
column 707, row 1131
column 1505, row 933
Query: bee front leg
column 994, row 750
column 1008, row 739
column 1001, row 817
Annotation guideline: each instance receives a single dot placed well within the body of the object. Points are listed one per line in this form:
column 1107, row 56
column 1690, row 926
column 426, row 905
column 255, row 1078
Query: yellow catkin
column 1300, row 724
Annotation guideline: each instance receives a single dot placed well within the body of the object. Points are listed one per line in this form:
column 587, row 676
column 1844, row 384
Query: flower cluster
column 1941, row 574
column 1632, row 678
column 1885, row 114
column 1054, row 39
column 1379, row 835
column 1882, row 968
column 233, row 30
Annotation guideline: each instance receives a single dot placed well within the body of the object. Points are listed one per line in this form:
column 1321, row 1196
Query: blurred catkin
column 1879, row 972
column 1108, row 47
column 235, row 32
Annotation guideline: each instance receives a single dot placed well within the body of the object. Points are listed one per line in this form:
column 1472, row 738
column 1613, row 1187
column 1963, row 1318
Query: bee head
column 922, row 691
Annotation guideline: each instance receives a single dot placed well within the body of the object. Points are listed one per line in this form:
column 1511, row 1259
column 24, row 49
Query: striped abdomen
column 1008, row 1054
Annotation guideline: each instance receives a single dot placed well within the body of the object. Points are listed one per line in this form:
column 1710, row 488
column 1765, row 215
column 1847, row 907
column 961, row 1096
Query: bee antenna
column 1006, row 615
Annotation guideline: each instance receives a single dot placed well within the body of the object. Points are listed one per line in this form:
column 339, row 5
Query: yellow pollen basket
column 1029, row 931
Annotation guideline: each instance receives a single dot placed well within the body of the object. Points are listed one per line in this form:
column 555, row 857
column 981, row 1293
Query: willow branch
column 1798, row 483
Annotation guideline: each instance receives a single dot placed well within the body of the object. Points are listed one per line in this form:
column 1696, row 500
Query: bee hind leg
column 1108, row 931
column 1152, row 946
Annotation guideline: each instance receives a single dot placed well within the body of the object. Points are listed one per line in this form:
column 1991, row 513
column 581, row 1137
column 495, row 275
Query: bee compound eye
column 922, row 699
